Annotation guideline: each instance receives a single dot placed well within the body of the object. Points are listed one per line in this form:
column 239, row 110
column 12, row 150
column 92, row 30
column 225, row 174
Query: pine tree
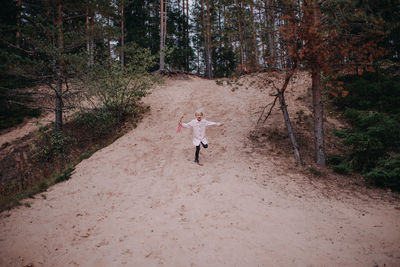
column 326, row 41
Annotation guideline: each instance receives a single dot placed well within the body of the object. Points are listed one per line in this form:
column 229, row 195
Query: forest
column 101, row 57
column 104, row 105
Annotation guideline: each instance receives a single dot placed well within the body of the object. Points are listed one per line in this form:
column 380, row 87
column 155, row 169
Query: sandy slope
column 143, row 202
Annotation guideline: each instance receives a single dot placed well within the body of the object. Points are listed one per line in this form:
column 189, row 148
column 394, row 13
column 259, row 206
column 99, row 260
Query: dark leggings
column 196, row 155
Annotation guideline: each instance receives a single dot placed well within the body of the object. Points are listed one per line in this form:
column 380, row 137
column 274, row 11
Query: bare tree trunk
column 319, row 140
column 187, row 35
column 91, row 35
column 289, row 127
column 241, row 59
column 60, row 65
column 263, row 37
column 122, row 36
column 161, row 35
column 108, row 39
column 210, row 74
column 18, row 34
column 163, row 30
column 254, row 54
column 205, row 37
column 88, row 34
column 270, row 28
column 165, row 21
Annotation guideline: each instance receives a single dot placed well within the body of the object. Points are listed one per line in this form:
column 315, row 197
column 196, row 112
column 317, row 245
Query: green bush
column 386, row 173
column 96, row 122
column 339, row 164
column 118, row 90
column 372, row 135
column 51, row 145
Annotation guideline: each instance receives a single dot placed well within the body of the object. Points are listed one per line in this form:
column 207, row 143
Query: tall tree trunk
column 161, row 35
column 60, row 66
column 91, row 35
column 18, row 34
column 319, row 140
column 254, row 53
column 122, row 36
column 210, row 74
column 270, row 28
column 165, row 21
column 187, row 35
column 163, row 29
column 263, row 38
column 205, row 37
column 241, row 59
column 108, row 39
column 88, row 34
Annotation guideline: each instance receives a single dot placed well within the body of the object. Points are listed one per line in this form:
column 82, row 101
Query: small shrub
column 65, row 175
column 88, row 154
column 315, row 172
column 220, row 83
column 387, row 173
column 51, row 145
column 97, row 122
column 334, row 160
column 43, row 186
column 341, row 168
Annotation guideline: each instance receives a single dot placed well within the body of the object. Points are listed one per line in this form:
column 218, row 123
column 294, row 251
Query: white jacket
column 199, row 130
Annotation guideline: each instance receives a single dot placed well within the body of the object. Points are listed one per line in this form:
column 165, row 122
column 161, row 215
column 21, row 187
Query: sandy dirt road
column 143, row 202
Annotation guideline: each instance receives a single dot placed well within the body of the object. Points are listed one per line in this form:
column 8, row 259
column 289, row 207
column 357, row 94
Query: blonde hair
column 199, row 111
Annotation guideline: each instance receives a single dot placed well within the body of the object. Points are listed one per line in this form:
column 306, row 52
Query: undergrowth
column 371, row 108
column 54, row 155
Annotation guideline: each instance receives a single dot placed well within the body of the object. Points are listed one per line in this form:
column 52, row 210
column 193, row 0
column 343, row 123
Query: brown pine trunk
column 161, row 35
column 108, row 39
column 165, row 21
column 87, row 34
column 205, row 37
column 163, row 31
column 122, row 35
column 240, row 37
column 91, row 58
column 210, row 75
column 319, row 140
column 187, row 35
column 270, row 27
column 254, row 54
column 18, row 34
column 60, row 66
column 263, row 37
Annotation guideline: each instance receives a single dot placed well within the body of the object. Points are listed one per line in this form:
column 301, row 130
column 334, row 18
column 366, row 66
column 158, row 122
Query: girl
column 199, row 131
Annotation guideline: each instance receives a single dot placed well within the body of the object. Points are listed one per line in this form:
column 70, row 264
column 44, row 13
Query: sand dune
column 143, row 202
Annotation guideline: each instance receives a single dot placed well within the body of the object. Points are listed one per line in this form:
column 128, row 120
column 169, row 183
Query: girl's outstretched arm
column 185, row 125
column 209, row 123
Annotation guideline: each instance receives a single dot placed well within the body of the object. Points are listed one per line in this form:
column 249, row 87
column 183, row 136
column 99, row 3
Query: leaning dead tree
column 280, row 95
